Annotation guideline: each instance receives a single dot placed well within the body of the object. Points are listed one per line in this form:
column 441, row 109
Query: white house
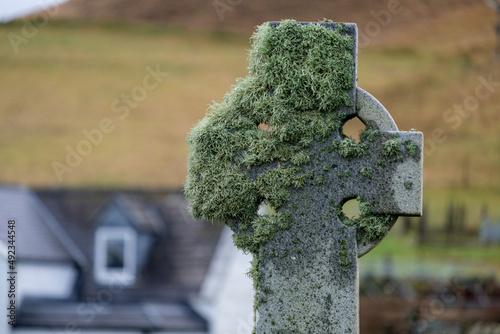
column 128, row 262
column 4, row 326
column 226, row 296
column 41, row 251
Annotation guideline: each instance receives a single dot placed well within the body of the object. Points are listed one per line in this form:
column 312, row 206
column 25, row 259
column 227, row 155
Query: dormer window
column 125, row 231
column 115, row 255
column 115, row 249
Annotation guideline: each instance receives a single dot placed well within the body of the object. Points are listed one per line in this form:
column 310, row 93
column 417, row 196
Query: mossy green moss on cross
column 271, row 161
column 298, row 77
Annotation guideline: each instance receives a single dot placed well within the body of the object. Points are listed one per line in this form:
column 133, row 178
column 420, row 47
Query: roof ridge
column 55, row 227
column 146, row 207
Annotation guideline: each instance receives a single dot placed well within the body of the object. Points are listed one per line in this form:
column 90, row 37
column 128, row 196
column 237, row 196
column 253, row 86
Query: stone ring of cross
column 406, row 182
column 272, row 162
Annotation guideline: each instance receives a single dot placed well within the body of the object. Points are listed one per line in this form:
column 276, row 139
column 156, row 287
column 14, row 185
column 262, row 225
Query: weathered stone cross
column 271, row 161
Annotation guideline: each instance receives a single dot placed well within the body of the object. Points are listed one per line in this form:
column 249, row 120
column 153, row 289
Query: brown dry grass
column 66, row 78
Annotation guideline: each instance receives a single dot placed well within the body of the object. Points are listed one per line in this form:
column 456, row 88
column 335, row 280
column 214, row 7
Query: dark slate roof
column 143, row 214
column 178, row 262
column 146, row 317
column 159, row 300
column 38, row 235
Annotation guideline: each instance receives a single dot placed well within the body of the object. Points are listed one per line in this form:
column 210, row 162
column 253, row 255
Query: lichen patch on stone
column 298, row 78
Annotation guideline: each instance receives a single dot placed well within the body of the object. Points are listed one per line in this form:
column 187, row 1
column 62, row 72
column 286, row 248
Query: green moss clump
column 411, row 147
column 262, row 229
column 320, row 181
column 391, row 147
column 273, row 184
column 256, row 276
column 350, row 148
column 372, row 226
column 298, row 77
column 345, row 173
column 366, row 171
column 368, row 134
column 308, row 67
column 300, row 158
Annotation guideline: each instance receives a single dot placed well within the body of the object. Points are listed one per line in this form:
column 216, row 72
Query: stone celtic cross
column 272, row 162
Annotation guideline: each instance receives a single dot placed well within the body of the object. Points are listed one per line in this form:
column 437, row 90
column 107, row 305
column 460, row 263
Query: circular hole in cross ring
column 351, row 210
column 266, row 209
column 353, row 127
column 264, row 126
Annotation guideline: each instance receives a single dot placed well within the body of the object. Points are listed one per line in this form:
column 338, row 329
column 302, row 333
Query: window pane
column 115, row 253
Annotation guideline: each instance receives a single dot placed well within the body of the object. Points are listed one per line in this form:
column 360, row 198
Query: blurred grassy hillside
column 242, row 15
column 72, row 74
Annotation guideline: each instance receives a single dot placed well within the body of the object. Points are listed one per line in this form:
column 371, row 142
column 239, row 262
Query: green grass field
column 66, row 78
column 432, row 260
column 72, row 75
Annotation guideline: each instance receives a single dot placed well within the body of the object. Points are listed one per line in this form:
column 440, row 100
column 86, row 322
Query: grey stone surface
column 309, row 273
column 305, row 265
column 489, row 232
column 405, row 200
column 372, row 113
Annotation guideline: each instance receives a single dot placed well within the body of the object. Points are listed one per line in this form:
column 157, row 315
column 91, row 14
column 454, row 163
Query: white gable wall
column 73, row 330
column 96, row 331
column 4, row 327
column 226, row 297
column 51, row 280
column 233, row 306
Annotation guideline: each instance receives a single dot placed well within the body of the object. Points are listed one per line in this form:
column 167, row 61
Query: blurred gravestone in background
column 495, row 4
